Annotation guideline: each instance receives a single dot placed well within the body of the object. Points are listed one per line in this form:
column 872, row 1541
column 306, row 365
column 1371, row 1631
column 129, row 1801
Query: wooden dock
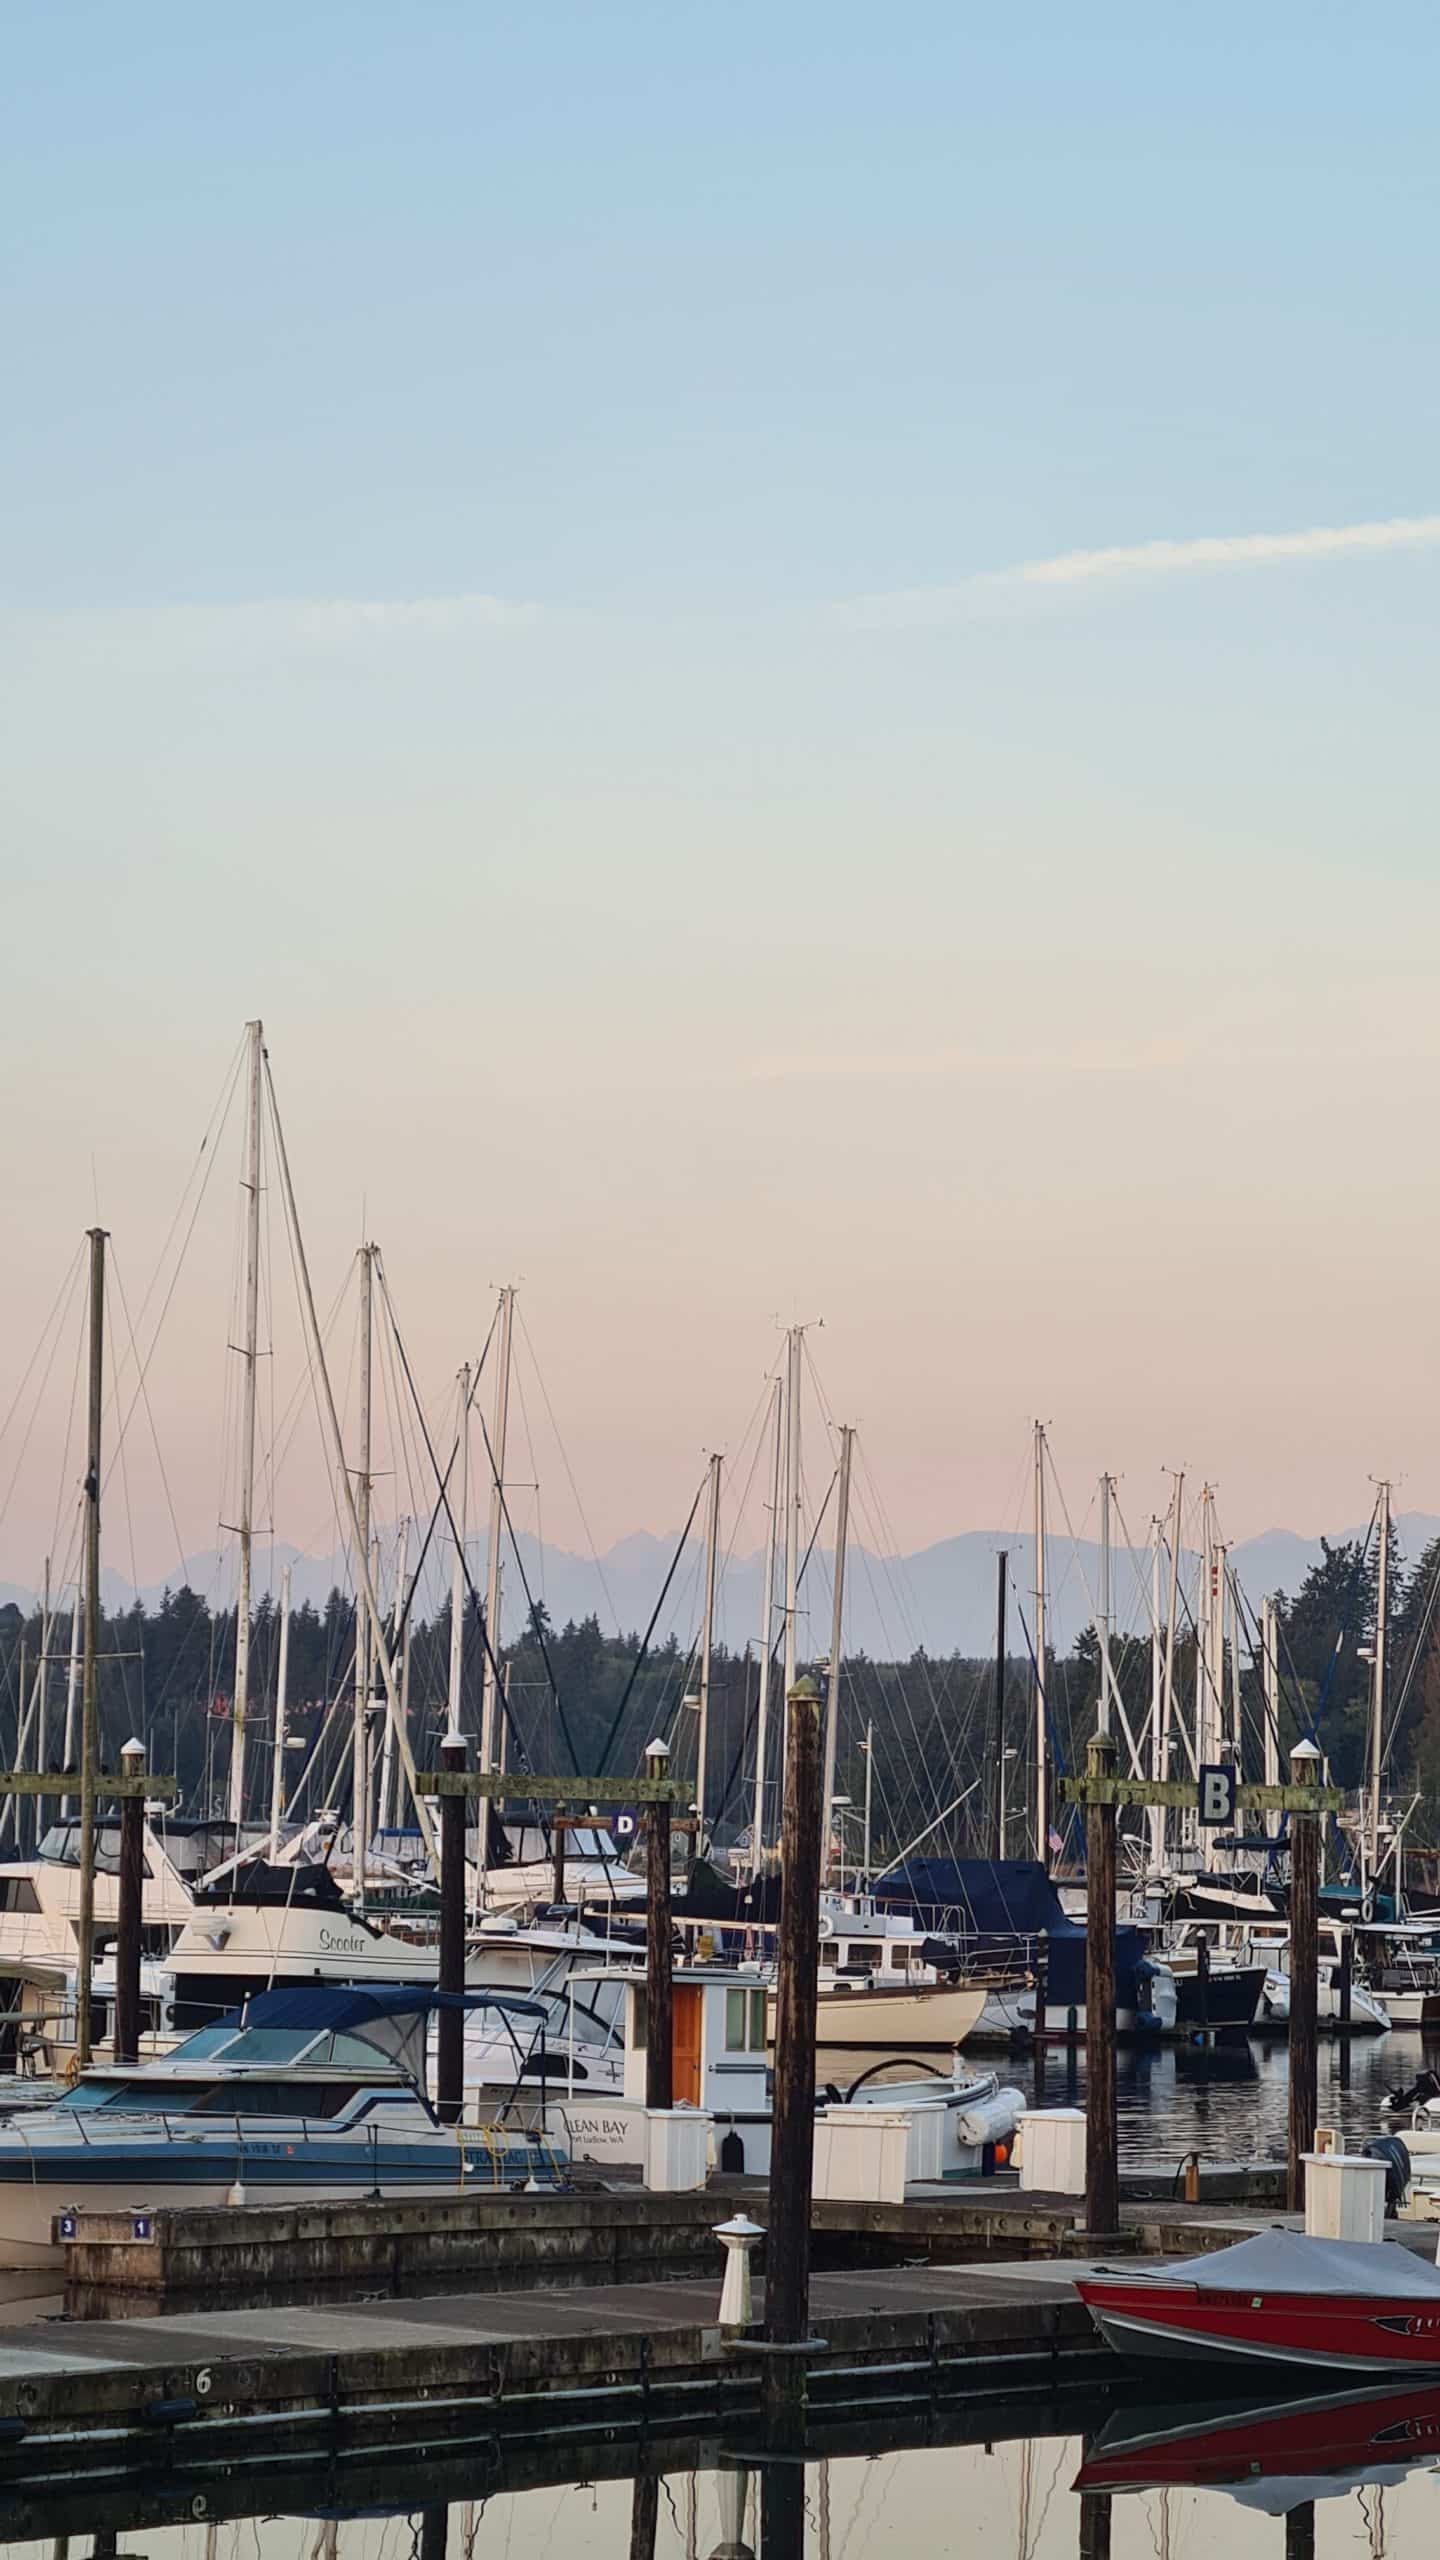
column 123, row 2264
column 224, row 2385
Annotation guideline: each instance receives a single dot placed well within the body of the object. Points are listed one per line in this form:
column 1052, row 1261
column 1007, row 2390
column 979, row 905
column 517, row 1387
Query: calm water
column 1227, row 2101
column 1360, row 2475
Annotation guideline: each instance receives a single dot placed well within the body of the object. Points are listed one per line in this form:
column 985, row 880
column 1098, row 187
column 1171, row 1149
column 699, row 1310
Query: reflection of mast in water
column 1022, row 2509
column 1377, row 2510
column 325, row 2546
column 692, row 2516
column 434, row 2532
column 1164, row 2524
column 824, row 2489
column 1300, row 2532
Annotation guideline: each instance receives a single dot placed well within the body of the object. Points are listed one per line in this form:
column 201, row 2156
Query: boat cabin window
column 744, row 2021
column 273, row 2098
column 858, row 1955
column 158, row 2097
column 17, row 1893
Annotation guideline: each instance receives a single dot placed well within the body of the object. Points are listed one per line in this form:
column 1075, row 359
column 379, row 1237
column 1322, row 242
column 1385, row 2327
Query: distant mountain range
column 942, row 1597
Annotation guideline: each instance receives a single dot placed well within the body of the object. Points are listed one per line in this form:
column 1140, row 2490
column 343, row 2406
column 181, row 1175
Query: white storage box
column 925, row 2146
column 860, row 2153
column 677, row 2149
column 1052, row 2151
column 1344, row 2196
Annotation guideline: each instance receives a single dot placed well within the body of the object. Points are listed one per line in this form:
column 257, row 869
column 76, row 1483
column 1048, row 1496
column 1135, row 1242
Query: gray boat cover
column 1286, row 2262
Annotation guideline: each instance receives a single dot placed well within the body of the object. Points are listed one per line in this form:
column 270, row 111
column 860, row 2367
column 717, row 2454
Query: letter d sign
column 1217, row 1798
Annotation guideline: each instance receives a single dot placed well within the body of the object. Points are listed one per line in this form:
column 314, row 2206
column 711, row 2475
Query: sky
column 792, row 653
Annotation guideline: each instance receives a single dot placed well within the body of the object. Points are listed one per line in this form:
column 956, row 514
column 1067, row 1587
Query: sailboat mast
column 1041, row 1833
column 1102, row 1721
column 249, row 1354
column 1202, row 1636
column 457, row 1572
column 837, row 1625
column 331, row 1421
column 72, row 1689
column 1377, row 1686
column 500, row 1432
column 1270, row 1680
column 997, row 1704
column 42, row 1696
column 360, row 1750
column 399, row 1636
column 1236, row 1719
column 767, row 1628
column 792, row 1497
column 1218, row 1553
column 90, row 1692
column 707, row 1645
column 282, row 1683
column 1157, row 1693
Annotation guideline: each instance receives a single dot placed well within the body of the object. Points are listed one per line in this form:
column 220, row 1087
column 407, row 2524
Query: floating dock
column 132, row 2394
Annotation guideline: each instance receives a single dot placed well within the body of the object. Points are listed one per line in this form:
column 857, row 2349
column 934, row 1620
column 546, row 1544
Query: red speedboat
column 1339, row 2305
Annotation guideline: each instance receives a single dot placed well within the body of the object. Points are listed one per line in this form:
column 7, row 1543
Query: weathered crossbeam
column 1181, row 1792
column 66, row 1782
column 517, row 1786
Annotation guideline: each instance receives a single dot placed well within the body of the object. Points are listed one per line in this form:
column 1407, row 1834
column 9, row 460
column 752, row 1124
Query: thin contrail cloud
column 1136, row 561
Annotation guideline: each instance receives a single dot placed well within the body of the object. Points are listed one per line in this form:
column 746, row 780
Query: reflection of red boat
column 1279, row 2298
column 1270, row 2456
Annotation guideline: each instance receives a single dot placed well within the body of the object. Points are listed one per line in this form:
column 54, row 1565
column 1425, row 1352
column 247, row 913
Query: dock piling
column 792, row 2143
column 644, row 2514
column 450, row 2025
column 126, row 2042
column 1304, row 1974
column 659, row 1964
column 1102, row 2165
column 1300, row 2532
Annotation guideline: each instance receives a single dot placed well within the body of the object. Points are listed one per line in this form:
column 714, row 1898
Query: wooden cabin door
column 685, row 2066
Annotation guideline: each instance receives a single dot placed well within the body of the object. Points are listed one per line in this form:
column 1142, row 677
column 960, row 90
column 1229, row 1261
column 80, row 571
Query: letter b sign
column 1217, row 1798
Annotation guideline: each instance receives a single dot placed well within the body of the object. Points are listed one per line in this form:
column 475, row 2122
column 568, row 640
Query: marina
column 719, row 1629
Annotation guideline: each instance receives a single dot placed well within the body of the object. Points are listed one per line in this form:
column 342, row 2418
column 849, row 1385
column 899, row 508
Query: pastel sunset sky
column 792, row 651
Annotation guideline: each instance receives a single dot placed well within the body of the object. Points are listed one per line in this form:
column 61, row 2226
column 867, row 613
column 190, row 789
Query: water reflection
column 1152, row 2482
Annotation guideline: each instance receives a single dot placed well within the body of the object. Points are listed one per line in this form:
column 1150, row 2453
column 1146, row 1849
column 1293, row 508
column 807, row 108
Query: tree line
column 578, row 1698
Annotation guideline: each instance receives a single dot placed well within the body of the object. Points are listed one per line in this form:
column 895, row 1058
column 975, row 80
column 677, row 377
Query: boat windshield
column 240, row 2048
column 60, row 1847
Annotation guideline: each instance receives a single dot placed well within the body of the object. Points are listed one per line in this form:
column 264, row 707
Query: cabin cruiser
column 885, row 1985
column 268, row 1927
column 719, row 2066
column 1215, row 1987
column 1369, row 2014
column 1402, row 1967
column 308, row 2094
column 40, row 1924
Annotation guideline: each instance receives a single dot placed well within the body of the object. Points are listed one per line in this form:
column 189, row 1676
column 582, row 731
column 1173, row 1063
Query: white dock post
column 739, row 2237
